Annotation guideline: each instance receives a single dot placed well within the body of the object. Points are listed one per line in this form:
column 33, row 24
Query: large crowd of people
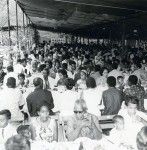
column 77, row 84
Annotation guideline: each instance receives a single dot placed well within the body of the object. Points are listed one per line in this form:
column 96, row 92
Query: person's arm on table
column 97, row 128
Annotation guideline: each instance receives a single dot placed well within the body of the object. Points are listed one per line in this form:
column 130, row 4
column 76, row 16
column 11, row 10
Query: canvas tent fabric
column 77, row 14
column 82, row 17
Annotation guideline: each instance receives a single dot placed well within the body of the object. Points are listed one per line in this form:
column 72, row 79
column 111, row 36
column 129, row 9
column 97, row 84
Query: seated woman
column 44, row 127
column 81, row 83
column 102, row 81
column 83, row 124
column 93, row 95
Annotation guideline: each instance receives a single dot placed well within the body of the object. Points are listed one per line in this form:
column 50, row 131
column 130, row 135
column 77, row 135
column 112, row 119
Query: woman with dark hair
column 62, row 76
column 56, row 65
column 92, row 95
column 81, row 83
column 135, row 90
column 102, row 81
column 44, row 127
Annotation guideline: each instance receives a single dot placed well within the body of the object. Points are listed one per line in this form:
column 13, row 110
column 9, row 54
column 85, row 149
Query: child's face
column 120, row 124
column 83, row 76
column 3, row 121
column 131, row 109
column 26, row 134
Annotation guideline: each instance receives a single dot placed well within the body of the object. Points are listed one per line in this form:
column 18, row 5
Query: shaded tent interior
column 88, row 18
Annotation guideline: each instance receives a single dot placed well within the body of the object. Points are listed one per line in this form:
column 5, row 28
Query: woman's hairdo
column 82, row 103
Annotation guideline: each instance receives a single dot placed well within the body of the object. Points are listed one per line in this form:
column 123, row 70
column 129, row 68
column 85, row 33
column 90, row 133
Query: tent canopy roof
column 80, row 15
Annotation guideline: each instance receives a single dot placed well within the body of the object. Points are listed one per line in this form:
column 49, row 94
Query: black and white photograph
column 73, row 74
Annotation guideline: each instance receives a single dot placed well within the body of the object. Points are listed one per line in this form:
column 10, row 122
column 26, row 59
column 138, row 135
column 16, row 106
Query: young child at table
column 25, row 131
column 117, row 134
column 6, row 129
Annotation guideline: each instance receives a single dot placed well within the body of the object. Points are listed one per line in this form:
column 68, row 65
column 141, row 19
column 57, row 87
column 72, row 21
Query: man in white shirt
column 6, row 129
column 18, row 68
column 12, row 99
column 10, row 73
column 130, row 113
column 134, row 120
column 116, row 71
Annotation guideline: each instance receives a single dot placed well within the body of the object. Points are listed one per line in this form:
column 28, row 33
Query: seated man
column 112, row 98
column 134, row 120
column 13, row 100
column 83, row 124
column 38, row 98
column 130, row 114
column 118, row 135
column 6, row 130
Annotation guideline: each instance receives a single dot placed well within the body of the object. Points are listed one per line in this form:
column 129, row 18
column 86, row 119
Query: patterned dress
column 138, row 92
column 44, row 132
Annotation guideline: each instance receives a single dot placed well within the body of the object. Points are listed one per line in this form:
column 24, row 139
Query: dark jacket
column 38, row 98
column 112, row 99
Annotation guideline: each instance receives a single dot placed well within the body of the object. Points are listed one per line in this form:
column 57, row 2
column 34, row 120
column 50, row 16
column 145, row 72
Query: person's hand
column 85, row 123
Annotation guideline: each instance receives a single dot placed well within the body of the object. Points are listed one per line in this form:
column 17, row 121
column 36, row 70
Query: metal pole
column 27, row 33
column 17, row 23
column 8, row 13
column 23, row 24
column 27, row 25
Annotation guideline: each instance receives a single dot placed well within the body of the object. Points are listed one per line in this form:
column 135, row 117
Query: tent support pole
column 8, row 13
column 17, row 23
column 23, row 24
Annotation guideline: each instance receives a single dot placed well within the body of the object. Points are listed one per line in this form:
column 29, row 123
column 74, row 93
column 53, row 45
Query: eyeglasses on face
column 76, row 112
